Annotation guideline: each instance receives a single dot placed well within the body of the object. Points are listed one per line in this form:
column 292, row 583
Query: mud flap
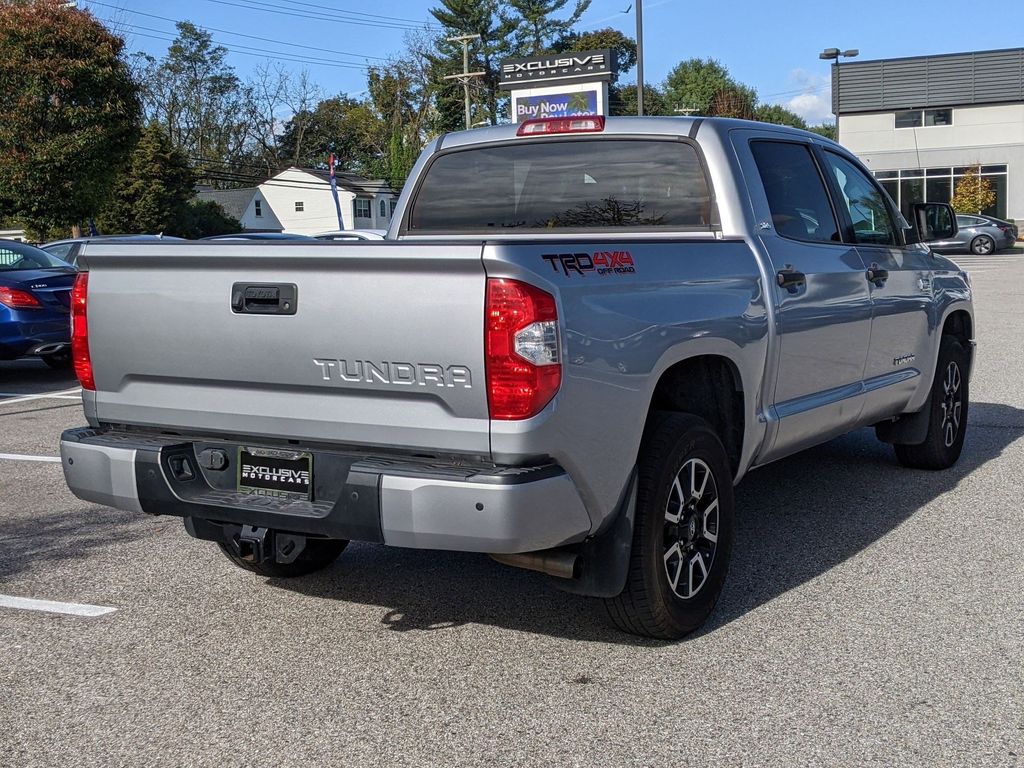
column 605, row 557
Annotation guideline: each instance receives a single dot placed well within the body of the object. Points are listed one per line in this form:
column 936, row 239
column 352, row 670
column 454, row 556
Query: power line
column 238, row 34
column 361, row 13
column 255, row 5
column 261, row 54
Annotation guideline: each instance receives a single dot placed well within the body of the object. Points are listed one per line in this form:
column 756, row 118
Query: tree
column 195, row 95
column 70, row 114
column 496, row 28
column 153, row 190
column 705, row 86
column 828, row 130
column 973, row 192
column 623, row 100
column 538, row 28
column 775, row 113
column 622, row 46
column 204, row 218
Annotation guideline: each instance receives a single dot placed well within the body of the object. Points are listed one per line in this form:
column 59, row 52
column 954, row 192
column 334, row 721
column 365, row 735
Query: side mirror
column 934, row 221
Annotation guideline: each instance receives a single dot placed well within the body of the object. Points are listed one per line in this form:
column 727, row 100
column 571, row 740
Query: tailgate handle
column 264, row 298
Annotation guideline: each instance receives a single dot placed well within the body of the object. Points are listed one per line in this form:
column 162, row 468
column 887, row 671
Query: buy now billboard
column 567, row 104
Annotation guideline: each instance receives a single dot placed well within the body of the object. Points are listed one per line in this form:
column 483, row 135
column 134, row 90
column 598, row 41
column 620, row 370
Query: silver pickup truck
column 578, row 335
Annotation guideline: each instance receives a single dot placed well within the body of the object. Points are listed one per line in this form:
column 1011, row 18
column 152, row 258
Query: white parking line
column 52, row 606
column 28, row 457
column 64, row 394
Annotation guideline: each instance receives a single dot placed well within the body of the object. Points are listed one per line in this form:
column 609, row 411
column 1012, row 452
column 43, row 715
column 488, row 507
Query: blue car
column 35, row 301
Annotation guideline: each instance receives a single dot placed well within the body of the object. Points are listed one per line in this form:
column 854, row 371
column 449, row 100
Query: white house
column 301, row 201
column 247, row 205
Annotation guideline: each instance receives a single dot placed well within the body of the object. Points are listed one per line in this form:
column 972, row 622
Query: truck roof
column 655, row 126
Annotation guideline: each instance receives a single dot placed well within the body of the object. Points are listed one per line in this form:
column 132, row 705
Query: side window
column 796, row 192
column 872, row 222
column 60, row 251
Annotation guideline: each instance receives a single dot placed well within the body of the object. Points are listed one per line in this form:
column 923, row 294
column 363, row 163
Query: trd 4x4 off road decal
column 600, row 262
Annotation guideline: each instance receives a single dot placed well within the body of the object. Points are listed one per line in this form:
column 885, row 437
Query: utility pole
column 465, row 76
column 640, row 57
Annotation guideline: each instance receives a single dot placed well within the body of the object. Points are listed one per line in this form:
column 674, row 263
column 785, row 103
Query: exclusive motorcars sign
column 564, row 68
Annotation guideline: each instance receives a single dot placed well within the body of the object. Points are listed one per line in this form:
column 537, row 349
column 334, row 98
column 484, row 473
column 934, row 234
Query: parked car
column 579, row 334
column 35, row 299
column 353, row 234
column 978, row 234
column 69, row 249
column 268, row 236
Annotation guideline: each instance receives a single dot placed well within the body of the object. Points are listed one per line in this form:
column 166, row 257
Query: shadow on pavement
column 797, row 519
column 29, row 377
column 39, row 540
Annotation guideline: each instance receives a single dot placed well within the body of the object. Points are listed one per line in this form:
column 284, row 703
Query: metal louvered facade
column 958, row 79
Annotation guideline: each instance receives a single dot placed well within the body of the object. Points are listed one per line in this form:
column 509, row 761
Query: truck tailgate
column 384, row 346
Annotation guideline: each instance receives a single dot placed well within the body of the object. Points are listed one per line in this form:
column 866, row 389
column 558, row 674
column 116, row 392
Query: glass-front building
column 921, row 123
column 937, row 185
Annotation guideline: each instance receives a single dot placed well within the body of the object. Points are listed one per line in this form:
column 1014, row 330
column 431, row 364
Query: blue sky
column 772, row 46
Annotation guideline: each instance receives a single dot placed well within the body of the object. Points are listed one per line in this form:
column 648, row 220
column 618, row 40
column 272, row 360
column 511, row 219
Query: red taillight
column 524, row 367
column 548, row 125
column 80, row 332
column 16, row 299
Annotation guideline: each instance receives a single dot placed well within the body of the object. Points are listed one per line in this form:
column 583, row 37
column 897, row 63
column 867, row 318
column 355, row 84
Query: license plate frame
column 273, row 472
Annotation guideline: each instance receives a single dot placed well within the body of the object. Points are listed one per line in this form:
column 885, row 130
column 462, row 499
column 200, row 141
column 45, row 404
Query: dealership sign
column 556, row 105
column 586, row 66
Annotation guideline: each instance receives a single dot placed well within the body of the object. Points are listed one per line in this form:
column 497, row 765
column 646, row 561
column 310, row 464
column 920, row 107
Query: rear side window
column 565, row 185
column 796, row 193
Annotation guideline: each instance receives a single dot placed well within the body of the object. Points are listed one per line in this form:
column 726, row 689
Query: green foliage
column 706, row 86
column 973, row 193
column 623, row 46
column 151, row 194
column 538, row 28
column 338, row 124
column 204, row 218
column 496, row 27
column 622, row 100
column 775, row 113
column 195, row 95
column 828, row 130
column 70, row 112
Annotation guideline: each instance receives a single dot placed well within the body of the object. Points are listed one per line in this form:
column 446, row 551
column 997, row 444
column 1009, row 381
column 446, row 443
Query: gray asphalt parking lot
column 873, row 616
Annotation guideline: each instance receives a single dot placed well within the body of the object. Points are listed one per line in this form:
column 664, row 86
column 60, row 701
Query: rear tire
column 947, row 418
column 59, row 362
column 682, row 537
column 983, row 245
column 318, row 554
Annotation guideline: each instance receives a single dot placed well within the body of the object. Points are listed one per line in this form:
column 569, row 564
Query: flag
column 334, row 192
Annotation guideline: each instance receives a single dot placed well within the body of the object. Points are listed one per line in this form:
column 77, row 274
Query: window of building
column 916, row 118
column 299, row 206
column 394, row 205
column 872, row 222
column 938, row 117
column 383, row 208
column 259, row 207
column 796, row 193
column 937, row 185
column 362, row 208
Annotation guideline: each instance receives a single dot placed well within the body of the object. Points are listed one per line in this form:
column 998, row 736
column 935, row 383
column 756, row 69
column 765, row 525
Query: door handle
column 877, row 275
column 790, row 279
column 264, row 298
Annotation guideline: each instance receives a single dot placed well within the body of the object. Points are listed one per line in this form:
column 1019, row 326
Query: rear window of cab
column 583, row 184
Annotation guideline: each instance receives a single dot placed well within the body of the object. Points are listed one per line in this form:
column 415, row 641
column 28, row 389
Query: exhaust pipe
column 553, row 562
column 51, row 348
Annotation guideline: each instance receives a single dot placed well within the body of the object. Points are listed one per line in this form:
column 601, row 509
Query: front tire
column 947, row 414
column 983, row 245
column 682, row 536
column 318, row 554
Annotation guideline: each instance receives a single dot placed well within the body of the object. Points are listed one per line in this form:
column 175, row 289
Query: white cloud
column 813, row 96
